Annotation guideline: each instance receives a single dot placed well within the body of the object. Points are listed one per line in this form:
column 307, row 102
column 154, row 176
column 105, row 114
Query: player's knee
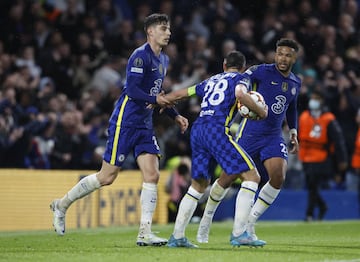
column 277, row 180
column 200, row 185
column 256, row 178
column 251, row 175
column 107, row 179
column 226, row 181
column 152, row 177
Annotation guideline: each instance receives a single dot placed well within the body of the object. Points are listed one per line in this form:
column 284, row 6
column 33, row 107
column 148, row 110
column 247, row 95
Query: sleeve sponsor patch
column 251, row 69
column 136, row 70
column 245, row 81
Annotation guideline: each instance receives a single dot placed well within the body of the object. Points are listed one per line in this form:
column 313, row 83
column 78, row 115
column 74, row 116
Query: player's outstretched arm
column 177, row 95
column 169, row 100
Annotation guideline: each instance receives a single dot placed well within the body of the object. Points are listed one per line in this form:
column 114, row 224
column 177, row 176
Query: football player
column 210, row 139
column 131, row 129
column 263, row 140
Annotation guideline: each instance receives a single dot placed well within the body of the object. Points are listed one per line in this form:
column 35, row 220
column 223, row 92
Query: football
column 244, row 110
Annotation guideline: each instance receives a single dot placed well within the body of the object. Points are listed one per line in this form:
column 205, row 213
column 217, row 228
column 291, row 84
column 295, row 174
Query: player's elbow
column 240, row 91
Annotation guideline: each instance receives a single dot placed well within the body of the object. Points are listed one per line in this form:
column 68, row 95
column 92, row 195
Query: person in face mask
column 315, row 106
column 321, row 145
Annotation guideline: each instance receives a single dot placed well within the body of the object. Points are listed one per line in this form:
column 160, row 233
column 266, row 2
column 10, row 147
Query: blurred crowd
column 62, row 66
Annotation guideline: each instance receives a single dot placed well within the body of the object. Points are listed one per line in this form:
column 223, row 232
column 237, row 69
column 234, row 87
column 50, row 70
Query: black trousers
column 316, row 176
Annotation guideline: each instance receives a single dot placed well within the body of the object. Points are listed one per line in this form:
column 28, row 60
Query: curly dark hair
column 289, row 43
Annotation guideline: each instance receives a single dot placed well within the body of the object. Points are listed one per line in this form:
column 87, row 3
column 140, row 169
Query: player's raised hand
column 182, row 122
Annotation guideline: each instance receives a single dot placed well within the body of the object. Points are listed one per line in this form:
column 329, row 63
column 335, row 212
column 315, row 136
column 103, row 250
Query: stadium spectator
column 196, row 24
column 271, row 30
column 322, row 64
column 325, row 10
column 85, row 44
column 309, row 83
column 27, row 58
column 222, row 9
column 108, row 14
column 41, row 144
column 244, row 37
column 310, row 38
column 346, row 34
column 20, row 125
column 107, row 79
column 42, row 34
column 56, row 63
column 177, row 185
column 69, row 20
column 121, row 41
column 340, row 88
column 70, row 142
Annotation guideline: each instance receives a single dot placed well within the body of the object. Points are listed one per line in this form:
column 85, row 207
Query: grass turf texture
column 286, row 241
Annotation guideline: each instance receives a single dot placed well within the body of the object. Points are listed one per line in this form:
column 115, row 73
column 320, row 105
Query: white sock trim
column 194, row 193
column 217, row 192
column 94, row 181
column 250, row 185
column 149, row 186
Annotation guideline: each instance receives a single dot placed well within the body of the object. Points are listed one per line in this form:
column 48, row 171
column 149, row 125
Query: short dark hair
column 319, row 93
column 289, row 43
column 235, row 59
column 155, row 19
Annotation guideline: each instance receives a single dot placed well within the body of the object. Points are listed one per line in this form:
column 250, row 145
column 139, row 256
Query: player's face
column 285, row 57
column 161, row 34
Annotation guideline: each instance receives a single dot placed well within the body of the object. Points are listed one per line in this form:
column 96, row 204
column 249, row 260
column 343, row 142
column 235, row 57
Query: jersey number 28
column 214, row 93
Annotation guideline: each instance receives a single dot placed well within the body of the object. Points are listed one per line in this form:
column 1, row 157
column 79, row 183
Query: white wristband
column 292, row 132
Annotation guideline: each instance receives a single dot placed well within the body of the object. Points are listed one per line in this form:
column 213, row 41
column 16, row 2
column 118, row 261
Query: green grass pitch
column 286, row 241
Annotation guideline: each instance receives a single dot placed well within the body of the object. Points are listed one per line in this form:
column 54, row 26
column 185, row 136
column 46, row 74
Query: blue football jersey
column 145, row 73
column 219, row 104
column 210, row 135
column 280, row 94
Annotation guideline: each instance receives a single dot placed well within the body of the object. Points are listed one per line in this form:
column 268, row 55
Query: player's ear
column 149, row 30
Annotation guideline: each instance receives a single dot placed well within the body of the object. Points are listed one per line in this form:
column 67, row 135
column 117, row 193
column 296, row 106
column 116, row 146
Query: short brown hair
column 155, row 19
